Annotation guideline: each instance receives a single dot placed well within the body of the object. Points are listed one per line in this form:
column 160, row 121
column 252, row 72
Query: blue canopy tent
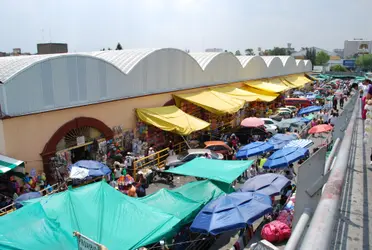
column 87, row 168
column 309, row 110
column 284, row 157
column 231, row 212
column 269, row 184
column 254, row 148
column 280, row 140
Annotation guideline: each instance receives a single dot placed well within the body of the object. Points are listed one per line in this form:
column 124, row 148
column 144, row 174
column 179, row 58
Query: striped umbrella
column 302, row 143
column 7, row 164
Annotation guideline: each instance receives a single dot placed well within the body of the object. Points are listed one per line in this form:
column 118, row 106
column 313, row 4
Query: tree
column 249, row 52
column 321, row 58
column 338, row 68
column 118, row 47
column 237, row 53
column 310, row 55
column 364, row 62
column 276, row 51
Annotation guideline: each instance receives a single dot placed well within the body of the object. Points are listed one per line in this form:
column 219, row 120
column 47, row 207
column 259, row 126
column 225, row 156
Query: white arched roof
column 308, row 66
column 204, row 58
column 244, row 60
column 300, row 65
column 289, row 64
column 253, row 66
column 274, row 65
column 39, row 83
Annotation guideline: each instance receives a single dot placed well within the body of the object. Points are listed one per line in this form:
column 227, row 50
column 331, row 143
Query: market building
column 61, row 103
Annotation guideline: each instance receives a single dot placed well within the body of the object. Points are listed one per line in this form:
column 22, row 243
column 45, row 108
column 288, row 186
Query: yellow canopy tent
column 213, row 101
column 261, row 95
column 273, row 86
column 237, row 93
column 281, row 82
column 172, row 119
column 298, row 80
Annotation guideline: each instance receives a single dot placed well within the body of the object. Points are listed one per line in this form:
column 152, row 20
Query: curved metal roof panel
column 284, row 59
column 125, row 60
column 298, row 62
column 204, row 58
column 244, row 60
column 11, row 65
column 268, row 59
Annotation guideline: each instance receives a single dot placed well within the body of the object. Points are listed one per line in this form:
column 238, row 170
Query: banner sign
column 349, row 63
column 84, row 243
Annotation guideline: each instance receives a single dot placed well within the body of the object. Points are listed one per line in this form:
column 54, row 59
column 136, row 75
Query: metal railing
column 335, row 166
column 319, row 234
column 157, row 159
column 11, row 207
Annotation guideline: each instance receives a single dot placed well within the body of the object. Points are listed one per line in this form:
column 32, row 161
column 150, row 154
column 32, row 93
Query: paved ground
column 353, row 230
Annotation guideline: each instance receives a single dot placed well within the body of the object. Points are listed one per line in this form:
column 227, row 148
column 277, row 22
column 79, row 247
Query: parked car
column 278, row 116
column 293, row 108
column 190, row 154
column 284, row 109
column 270, row 125
column 218, row 146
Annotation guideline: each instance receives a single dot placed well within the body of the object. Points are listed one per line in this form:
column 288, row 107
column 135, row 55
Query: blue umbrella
column 254, row 148
column 280, row 140
column 285, row 156
column 269, row 184
column 95, row 168
column 27, row 196
column 298, row 93
column 309, row 109
column 231, row 212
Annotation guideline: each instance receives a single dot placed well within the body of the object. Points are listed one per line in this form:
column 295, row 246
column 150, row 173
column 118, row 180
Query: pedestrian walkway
column 353, row 228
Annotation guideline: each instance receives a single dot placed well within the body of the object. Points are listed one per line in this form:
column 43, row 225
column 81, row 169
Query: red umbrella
column 320, row 129
column 252, row 122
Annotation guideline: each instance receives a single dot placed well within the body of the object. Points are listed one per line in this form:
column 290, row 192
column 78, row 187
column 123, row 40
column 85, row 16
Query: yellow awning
column 298, row 80
column 172, row 119
column 261, row 95
column 213, row 101
column 274, row 85
column 237, row 93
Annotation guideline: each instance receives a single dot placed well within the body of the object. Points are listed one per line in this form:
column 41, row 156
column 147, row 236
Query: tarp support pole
column 185, row 141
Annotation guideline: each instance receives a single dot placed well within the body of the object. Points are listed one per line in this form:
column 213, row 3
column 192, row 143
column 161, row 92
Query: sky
column 90, row 25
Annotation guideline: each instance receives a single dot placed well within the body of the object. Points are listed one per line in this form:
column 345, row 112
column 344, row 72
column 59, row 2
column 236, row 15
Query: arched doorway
column 69, row 134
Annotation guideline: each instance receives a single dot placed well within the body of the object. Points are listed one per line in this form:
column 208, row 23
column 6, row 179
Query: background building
column 357, row 46
column 339, row 52
column 217, row 50
column 302, row 53
column 51, row 48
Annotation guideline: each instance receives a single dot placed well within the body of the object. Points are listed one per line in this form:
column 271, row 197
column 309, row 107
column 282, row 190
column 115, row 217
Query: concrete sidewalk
column 353, row 229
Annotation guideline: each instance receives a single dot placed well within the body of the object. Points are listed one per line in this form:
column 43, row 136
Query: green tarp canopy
column 184, row 202
column 98, row 211
column 218, row 170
